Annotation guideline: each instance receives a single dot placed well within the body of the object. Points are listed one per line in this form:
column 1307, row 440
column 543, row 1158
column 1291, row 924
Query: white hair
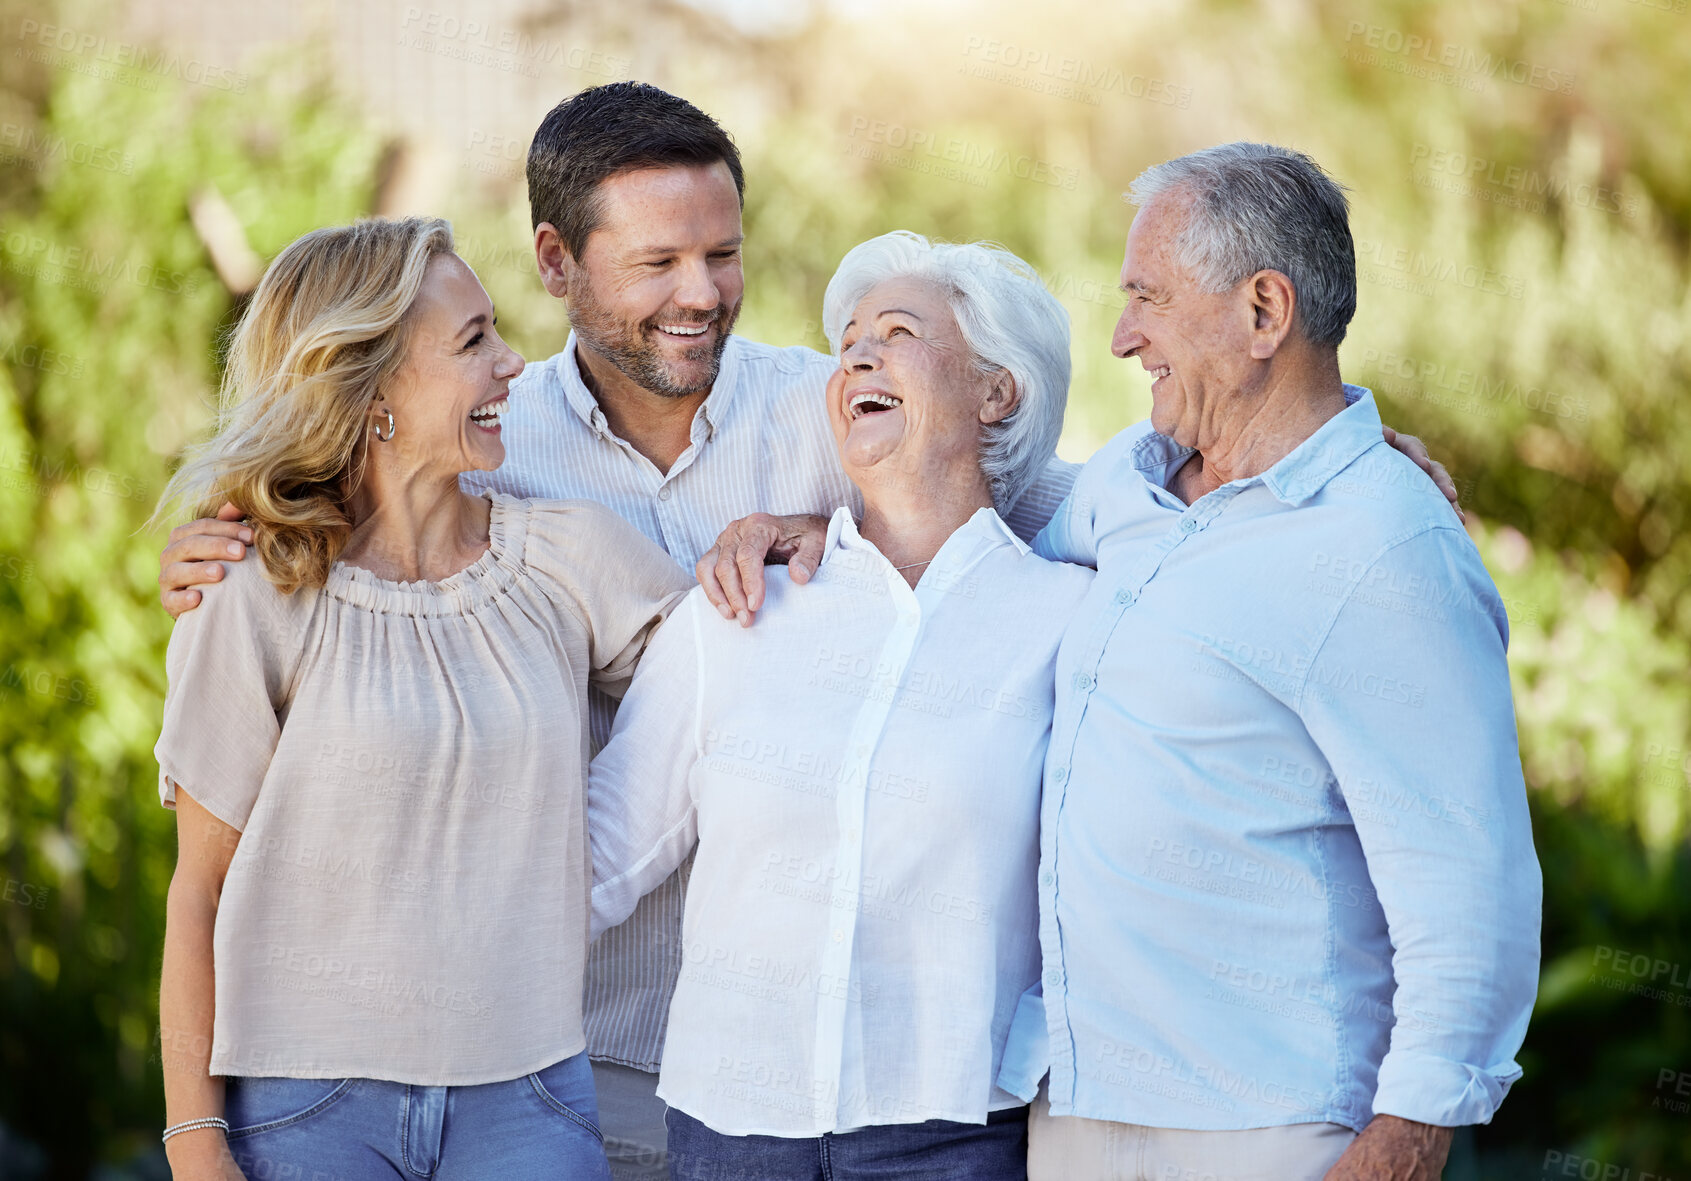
column 1258, row 207
column 1010, row 323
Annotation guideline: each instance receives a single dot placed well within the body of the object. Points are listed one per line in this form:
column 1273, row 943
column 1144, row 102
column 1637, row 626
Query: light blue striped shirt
column 1287, row 871
column 761, row 442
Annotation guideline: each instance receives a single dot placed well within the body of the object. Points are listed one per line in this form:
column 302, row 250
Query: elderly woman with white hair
column 861, row 771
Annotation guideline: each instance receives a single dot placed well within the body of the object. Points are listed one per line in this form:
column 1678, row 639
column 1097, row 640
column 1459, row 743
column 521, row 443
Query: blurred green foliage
column 1524, row 307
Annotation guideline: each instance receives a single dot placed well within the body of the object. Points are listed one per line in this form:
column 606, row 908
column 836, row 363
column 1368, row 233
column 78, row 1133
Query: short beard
column 626, row 346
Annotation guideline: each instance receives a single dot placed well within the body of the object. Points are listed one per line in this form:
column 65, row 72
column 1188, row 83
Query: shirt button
column 839, row 936
column 663, row 493
column 1082, row 681
column 851, row 834
column 1053, row 978
column 1124, row 596
column 862, row 750
column 1061, row 775
column 1047, row 878
column 1188, row 525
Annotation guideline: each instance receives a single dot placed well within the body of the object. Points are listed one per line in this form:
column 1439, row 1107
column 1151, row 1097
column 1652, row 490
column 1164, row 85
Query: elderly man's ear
column 1273, row 304
column 1001, row 399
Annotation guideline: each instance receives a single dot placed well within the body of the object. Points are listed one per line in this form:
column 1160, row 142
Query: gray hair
column 1258, row 207
column 1010, row 323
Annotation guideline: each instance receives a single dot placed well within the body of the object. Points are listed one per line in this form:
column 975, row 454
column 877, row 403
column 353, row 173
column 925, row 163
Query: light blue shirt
column 1287, row 871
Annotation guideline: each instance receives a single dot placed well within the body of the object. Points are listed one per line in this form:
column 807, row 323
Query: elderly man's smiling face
column 1195, row 344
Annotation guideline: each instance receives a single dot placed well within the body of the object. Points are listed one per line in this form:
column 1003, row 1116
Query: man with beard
column 654, row 408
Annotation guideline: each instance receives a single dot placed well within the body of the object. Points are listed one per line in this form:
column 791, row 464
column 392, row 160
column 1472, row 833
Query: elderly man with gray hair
column 1289, row 900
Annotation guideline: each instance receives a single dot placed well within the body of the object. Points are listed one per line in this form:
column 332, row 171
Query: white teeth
column 684, row 329
column 490, row 412
column 1160, row 372
column 887, row 400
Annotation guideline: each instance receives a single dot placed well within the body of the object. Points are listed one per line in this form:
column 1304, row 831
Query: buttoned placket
column 1071, row 709
column 850, row 807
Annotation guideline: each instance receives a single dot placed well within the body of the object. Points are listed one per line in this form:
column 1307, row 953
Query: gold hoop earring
column 377, row 431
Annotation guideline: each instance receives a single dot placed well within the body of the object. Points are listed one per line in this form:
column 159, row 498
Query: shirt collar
column 567, row 372
column 1329, row 451
column 1300, row 474
column 984, row 531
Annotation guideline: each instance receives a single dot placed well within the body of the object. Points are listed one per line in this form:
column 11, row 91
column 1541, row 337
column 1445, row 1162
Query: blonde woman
column 374, row 742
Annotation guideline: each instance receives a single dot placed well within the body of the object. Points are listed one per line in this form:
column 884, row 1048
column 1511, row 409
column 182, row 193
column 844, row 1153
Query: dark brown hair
column 603, row 130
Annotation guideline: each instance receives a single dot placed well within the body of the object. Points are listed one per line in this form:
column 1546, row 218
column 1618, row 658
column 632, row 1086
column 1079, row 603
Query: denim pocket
column 253, row 1105
column 567, row 1088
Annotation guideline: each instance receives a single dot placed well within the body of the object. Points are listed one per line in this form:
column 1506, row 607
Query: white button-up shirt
column 761, row 442
column 1288, row 872
column 861, row 771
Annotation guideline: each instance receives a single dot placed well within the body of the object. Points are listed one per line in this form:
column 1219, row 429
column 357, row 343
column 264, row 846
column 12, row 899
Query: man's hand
column 192, row 557
column 731, row 571
column 1417, row 450
column 1393, row 1149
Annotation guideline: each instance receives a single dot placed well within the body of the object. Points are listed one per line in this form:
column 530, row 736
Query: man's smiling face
column 1194, row 343
column 659, row 284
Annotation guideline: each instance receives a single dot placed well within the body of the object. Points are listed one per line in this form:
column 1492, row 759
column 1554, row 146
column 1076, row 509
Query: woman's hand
column 1417, row 451
column 731, row 571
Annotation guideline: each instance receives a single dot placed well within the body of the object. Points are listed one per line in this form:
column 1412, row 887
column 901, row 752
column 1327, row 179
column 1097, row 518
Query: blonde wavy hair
column 325, row 332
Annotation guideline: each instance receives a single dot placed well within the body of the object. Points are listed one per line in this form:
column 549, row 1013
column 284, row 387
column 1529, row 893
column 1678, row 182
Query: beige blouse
column 406, row 764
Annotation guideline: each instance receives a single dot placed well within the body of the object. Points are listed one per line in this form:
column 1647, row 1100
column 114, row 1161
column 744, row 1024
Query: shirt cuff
column 1439, row 1091
column 1027, row 1051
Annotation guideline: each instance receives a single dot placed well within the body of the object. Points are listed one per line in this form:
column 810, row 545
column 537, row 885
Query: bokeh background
column 1522, row 204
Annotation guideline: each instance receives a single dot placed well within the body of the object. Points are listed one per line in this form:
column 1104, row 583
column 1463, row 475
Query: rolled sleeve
column 1409, row 700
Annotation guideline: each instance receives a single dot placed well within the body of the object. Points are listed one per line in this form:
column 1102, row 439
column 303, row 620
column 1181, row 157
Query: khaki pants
column 1068, row 1148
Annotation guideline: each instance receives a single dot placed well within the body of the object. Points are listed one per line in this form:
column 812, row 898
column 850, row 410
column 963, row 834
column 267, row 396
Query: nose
column 1127, row 339
column 696, row 290
column 860, row 357
column 510, row 365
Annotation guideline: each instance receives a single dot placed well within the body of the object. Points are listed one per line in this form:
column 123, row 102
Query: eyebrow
column 478, row 318
column 726, row 244
column 887, row 312
column 1133, row 287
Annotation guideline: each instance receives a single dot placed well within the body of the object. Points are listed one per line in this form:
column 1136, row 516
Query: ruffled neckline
column 481, row 582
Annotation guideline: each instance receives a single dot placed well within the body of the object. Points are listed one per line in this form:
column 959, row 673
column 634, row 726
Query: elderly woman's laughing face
column 910, row 399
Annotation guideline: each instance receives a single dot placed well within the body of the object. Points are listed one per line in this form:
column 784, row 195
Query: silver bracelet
column 195, row 1125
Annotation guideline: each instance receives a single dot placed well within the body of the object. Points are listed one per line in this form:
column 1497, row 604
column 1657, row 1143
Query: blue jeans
column 937, row 1150
column 543, row 1125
